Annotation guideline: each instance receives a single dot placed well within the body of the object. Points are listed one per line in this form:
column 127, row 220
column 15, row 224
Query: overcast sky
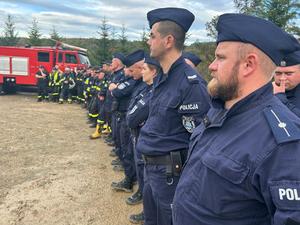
column 81, row 18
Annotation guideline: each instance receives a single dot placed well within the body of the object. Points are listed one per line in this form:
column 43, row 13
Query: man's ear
column 249, row 64
column 169, row 41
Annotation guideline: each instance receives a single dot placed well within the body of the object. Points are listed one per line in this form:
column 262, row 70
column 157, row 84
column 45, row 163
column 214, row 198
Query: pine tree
column 34, row 34
column 10, row 37
column 55, row 35
column 144, row 40
column 103, row 41
column 123, row 40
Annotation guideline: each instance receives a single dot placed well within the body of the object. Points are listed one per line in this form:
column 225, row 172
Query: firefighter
column 79, row 85
column 67, row 83
column 54, row 84
column 86, row 81
column 42, row 83
column 100, row 123
column 93, row 107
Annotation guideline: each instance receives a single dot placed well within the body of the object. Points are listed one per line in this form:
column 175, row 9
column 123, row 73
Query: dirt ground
column 50, row 172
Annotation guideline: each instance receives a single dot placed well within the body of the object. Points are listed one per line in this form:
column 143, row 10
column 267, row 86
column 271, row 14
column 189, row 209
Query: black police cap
column 192, row 57
column 134, row 57
column 261, row 33
column 180, row 16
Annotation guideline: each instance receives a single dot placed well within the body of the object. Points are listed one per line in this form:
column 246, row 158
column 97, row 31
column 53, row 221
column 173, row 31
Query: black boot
column 135, row 199
column 124, row 185
column 137, row 218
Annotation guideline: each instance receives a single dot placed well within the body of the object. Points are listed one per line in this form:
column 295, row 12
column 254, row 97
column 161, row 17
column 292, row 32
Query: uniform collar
column 218, row 114
column 162, row 77
column 293, row 92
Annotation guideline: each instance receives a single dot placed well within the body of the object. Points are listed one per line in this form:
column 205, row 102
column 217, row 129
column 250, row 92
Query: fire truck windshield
column 84, row 59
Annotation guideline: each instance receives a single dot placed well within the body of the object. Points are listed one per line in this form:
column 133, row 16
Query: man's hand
column 112, row 86
column 279, row 88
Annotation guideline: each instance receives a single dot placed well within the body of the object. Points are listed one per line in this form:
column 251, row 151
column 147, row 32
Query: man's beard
column 226, row 91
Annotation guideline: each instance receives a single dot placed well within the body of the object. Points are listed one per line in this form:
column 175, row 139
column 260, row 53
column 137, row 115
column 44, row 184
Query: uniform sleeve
column 124, row 89
column 138, row 114
column 195, row 105
column 278, row 180
column 282, row 97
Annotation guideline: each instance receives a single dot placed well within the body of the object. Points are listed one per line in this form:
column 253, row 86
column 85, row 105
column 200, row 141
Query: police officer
column 178, row 103
column 123, row 93
column 138, row 111
column 242, row 166
column 117, row 68
column 42, row 83
column 287, row 82
column 191, row 59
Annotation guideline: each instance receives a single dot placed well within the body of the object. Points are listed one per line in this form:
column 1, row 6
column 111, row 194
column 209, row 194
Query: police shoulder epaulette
column 192, row 76
column 283, row 129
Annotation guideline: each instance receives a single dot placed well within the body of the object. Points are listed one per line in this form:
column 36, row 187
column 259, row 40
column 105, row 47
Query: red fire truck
column 18, row 65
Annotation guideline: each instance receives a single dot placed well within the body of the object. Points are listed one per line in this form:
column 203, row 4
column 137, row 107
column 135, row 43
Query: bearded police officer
column 179, row 101
column 243, row 166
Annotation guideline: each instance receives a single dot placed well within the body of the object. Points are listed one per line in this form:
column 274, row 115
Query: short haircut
column 171, row 28
column 266, row 65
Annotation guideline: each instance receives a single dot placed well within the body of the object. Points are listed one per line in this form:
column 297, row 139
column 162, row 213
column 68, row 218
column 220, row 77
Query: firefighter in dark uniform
column 93, row 107
column 100, row 88
column 80, row 85
column 178, row 104
column 67, row 83
column 42, row 84
column 137, row 114
column 243, row 163
column 86, row 81
column 54, row 84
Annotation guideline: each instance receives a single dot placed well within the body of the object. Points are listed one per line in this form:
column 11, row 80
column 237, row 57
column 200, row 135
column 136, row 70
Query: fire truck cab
column 18, row 65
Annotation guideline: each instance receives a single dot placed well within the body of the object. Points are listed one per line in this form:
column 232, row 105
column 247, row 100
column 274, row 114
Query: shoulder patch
column 192, row 76
column 283, row 129
column 121, row 86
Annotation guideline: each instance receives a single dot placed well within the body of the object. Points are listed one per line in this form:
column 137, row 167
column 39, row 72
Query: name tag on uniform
column 286, row 194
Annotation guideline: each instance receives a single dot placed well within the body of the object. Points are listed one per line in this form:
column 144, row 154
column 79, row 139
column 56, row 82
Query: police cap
column 261, row 33
column 180, row 16
column 291, row 59
column 192, row 57
column 151, row 61
column 119, row 56
column 134, row 57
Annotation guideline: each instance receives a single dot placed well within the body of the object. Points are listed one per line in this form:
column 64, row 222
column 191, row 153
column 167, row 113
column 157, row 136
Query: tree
column 34, row 33
column 103, row 42
column 10, row 37
column 55, row 35
column 123, row 39
column 281, row 12
column 113, row 40
column 211, row 27
column 144, row 40
column 251, row 7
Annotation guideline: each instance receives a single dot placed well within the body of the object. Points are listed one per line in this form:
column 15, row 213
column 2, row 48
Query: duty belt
column 173, row 162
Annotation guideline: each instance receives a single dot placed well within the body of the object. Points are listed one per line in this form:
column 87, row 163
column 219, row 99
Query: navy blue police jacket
column 243, row 165
column 291, row 99
column 124, row 91
column 115, row 78
column 178, row 103
column 138, row 109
